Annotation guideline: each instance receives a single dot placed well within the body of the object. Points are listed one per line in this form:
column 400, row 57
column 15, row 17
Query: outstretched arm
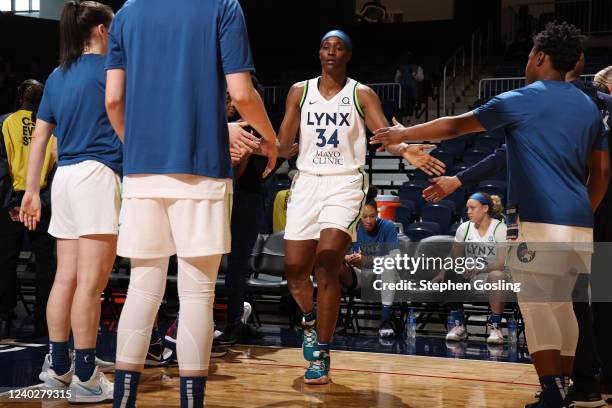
column 439, row 129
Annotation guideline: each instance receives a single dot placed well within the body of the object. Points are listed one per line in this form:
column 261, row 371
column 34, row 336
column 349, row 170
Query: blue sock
column 323, row 347
column 60, row 359
column 126, row 387
column 84, row 363
column 553, row 390
column 385, row 312
column 311, row 316
column 495, row 320
column 458, row 316
column 192, row 392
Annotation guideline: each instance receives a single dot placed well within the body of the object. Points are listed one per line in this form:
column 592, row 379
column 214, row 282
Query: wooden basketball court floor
column 258, row 377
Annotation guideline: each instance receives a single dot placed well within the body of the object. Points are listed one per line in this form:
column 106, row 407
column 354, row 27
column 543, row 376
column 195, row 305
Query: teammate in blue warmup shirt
column 371, row 231
column 587, row 363
column 85, row 197
column 168, row 69
column 553, row 134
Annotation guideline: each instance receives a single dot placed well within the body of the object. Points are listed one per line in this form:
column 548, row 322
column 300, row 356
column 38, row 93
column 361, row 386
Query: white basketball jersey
column 332, row 132
column 485, row 246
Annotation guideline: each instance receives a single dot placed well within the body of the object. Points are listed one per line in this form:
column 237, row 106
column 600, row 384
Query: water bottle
column 512, row 338
column 411, row 324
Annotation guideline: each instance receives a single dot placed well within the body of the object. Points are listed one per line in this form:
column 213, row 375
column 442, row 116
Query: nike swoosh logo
column 312, row 103
column 156, row 357
column 95, row 392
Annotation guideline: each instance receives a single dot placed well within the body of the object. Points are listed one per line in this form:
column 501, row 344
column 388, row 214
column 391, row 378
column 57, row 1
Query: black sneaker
column 230, row 335
column 158, row 355
column 586, row 399
column 240, row 332
column 218, row 350
column 249, row 332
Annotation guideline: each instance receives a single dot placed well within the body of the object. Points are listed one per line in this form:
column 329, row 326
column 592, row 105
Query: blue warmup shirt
column 73, row 100
column 384, row 233
column 176, row 56
column 551, row 128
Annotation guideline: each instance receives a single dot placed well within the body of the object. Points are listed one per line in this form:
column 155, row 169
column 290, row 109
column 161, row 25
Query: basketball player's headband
column 341, row 35
column 481, row 199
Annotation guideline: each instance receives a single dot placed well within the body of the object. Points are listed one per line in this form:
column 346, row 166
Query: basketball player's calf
column 328, row 265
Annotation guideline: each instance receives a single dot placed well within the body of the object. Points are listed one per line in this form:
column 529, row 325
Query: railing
column 462, row 66
column 490, row 87
column 591, row 16
column 275, row 96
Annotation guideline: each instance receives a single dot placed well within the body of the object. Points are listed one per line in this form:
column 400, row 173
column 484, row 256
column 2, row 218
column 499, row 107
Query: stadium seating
column 472, row 156
column 439, row 213
column 493, row 187
column 404, row 215
column 456, row 147
column 486, row 144
column 420, row 230
column 413, row 191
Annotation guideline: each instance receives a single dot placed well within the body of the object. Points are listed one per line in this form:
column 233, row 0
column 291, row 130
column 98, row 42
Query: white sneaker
column 57, row 382
column 248, row 309
column 495, row 337
column 104, row 366
column 386, row 330
column 457, row 333
column 96, row 389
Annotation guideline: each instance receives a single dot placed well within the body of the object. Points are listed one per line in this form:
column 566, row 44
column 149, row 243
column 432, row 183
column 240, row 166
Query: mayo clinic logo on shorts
column 524, row 254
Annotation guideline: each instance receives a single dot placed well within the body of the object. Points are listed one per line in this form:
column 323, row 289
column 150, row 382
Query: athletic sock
column 495, row 320
column 84, row 363
column 310, row 317
column 325, row 347
column 458, row 316
column 385, row 312
column 192, row 392
column 126, row 389
column 60, row 359
column 553, row 390
column 566, row 383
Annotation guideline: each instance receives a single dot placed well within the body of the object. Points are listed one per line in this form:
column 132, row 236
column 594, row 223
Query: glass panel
column 22, row 5
column 35, row 5
column 5, row 5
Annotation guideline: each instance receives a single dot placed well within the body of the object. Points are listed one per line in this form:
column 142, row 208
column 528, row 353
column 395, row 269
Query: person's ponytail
column 76, row 23
column 71, row 40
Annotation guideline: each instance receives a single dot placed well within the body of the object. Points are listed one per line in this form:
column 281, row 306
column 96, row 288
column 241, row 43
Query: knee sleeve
column 568, row 326
column 146, row 290
column 196, row 287
column 541, row 328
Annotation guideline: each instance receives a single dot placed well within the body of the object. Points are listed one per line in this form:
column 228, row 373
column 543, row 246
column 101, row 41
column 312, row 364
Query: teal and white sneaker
column 309, row 342
column 317, row 372
column 96, row 389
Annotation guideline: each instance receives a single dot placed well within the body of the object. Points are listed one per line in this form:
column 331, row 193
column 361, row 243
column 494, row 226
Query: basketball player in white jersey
column 480, row 237
column 331, row 113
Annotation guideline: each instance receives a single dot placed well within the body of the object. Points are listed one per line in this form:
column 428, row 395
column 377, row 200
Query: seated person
column 485, row 228
column 374, row 230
